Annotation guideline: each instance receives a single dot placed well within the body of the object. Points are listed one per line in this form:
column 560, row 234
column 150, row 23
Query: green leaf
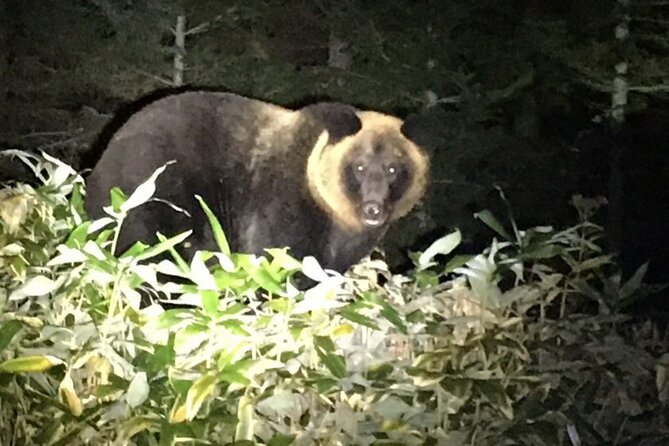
column 138, row 390
column 144, row 191
column 199, row 272
column 77, row 199
column 458, row 387
column 379, row 372
column 216, row 227
column 108, row 265
column 242, row 365
column 325, row 385
column 167, row 434
column 135, row 249
column 195, row 328
column 491, row 221
column 180, row 386
column 393, row 317
column 426, row 278
column 335, row 364
column 30, row 364
column 234, row 378
column 259, row 273
column 281, row 259
column 181, row 263
column 237, row 327
column 77, row 237
column 415, row 317
column 104, row 236
column 209, row 302
column 237, row 281
column 496, row 394
column 280, row 304
column 456, row 262
column 104, row 390
column 324, row 343
column 34, row 286
column 163, row 356
column 442, row 246
column 422, row 377
column 134, row 425
column 244, row 428
column 634, row 283
column 117, row 198
column 163, row 246
column 48, row 432
column 233, row 309
column 593, row 263
column 281, row 440
column 227, row 359
column 8, row 331
column 541, row 251
column 174, row 316
column 352, row 315
column 201, row 389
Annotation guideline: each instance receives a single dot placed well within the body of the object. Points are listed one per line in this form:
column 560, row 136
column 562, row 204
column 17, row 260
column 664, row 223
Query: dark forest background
column 541, row 99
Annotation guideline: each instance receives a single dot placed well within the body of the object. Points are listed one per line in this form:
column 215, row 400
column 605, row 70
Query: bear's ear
column 339, row 120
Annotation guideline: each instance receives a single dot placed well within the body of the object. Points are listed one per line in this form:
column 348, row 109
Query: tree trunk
column 179, row 51
column 619, row 100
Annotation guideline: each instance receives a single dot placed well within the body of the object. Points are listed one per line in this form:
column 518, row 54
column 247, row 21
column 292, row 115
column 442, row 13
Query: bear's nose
column 372, row 213
column 372, row 209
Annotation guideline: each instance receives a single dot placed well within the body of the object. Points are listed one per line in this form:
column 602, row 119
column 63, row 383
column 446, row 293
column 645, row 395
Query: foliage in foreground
column 490, row 349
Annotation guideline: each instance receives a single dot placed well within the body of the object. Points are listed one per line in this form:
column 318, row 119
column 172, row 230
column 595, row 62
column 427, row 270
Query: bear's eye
column 392, row 170
column 360, row 167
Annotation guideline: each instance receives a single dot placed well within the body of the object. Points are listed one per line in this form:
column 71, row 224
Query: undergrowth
column 525, row 343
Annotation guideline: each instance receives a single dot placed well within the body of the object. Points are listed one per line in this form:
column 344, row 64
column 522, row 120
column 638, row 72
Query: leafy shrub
column 491, row 349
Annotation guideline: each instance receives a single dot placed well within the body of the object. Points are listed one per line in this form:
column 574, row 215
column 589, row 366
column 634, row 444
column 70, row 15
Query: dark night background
column 543, row 99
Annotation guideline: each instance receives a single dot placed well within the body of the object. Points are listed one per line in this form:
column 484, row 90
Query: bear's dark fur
column 324, row 180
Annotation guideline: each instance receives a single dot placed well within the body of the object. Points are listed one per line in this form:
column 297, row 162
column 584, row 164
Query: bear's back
column 239, row 154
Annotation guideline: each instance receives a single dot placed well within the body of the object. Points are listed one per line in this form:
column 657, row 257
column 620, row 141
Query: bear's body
column 274, row 177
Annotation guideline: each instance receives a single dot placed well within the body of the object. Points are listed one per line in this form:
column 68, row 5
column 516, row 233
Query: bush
column 140, row 349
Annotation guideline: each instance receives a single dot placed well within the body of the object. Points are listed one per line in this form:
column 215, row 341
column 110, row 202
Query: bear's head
column 367, row 168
